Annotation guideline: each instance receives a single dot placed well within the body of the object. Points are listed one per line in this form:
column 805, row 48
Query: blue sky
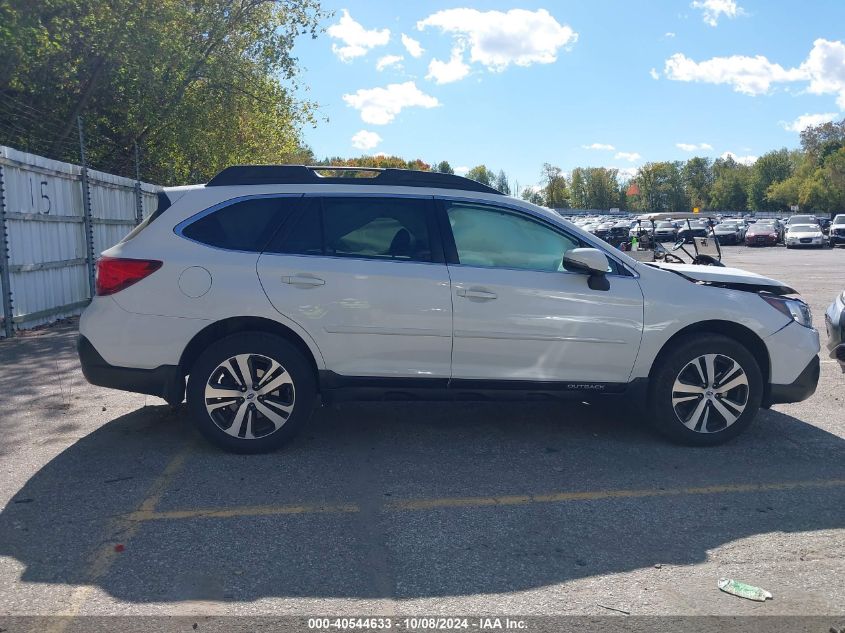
column 535, row 82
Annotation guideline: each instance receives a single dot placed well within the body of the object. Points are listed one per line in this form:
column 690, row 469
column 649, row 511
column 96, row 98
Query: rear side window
column 374, row 228
column 245, row 225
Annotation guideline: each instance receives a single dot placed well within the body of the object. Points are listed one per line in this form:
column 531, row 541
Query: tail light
column 116, row 273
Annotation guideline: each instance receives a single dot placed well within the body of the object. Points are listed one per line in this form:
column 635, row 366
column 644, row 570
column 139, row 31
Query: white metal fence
column 49, row 236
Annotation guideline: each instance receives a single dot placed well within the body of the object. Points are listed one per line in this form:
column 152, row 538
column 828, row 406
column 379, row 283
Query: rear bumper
column 166, row 381
column 800, row 389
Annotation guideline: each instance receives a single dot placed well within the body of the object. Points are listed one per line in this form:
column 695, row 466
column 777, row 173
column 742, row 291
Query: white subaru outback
column 271, row 287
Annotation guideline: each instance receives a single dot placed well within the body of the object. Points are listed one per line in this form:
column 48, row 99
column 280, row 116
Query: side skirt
column 337, row 388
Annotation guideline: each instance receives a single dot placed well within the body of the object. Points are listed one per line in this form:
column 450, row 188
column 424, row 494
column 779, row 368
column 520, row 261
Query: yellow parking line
column 475, row 502
column 596, row 495
column 242, row 511
column 124, row 530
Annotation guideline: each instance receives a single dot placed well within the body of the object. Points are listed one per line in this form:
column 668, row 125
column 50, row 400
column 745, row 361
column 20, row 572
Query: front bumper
column 800, row 389
column 816, row 241
column 760, row 240
column 166, row 381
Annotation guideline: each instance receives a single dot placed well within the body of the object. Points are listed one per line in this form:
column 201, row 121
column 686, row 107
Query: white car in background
column 805, row 235
column 271, row 288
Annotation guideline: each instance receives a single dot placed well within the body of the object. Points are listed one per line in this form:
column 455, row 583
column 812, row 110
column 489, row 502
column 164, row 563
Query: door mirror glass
column 585, row 260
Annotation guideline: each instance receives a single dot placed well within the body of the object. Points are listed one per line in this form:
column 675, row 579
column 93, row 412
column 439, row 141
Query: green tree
column 660, row 188
column 501, row 183
column 529, row 194
column 730, row 187
column 198, row 85
column 697, row 175
column 444, row 167
column 770, row 168
column 578, row 188
column 555, row 191
column 482, row 175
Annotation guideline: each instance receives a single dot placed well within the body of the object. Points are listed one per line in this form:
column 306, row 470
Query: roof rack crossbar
column 308, row 175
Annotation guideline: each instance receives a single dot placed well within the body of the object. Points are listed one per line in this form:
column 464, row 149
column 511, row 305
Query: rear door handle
column 303, row 280
column 476, row 293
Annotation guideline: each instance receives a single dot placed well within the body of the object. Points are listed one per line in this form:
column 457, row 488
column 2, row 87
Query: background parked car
column 762, row 234
column 834, row 320
column 666, row 232
column 805, row 235
column 728, row 232
column 837, row 230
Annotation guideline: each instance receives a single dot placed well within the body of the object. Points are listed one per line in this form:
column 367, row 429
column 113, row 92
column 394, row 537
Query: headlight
column 795, row 309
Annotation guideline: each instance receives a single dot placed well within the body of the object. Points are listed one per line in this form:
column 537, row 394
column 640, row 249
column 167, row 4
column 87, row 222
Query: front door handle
column 303, row 280
column 476, row 293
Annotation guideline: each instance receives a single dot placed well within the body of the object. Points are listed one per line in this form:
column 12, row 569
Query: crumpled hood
column 734, row 278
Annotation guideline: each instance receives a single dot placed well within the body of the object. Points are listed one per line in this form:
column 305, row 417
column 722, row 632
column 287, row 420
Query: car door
column 365, row 276
column 519, row 316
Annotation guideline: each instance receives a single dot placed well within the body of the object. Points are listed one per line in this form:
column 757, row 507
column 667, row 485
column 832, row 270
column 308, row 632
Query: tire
column 674, row 377
column 260, row 413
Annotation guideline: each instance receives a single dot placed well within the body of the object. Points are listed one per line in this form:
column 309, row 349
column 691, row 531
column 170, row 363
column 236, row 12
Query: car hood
column 734, row 278
column 804, row 234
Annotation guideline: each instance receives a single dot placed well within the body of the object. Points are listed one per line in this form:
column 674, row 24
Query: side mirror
column 590, row 261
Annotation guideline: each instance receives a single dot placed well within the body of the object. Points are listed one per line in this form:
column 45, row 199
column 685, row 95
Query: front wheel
column 251, row 392
column 705, row 390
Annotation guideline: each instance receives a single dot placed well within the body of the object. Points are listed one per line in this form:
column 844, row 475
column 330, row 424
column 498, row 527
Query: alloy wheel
column 249, row 396
column 710, row 393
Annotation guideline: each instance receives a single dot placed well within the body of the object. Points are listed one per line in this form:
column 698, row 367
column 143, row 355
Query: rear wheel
column 251, row 392
column 706, row 390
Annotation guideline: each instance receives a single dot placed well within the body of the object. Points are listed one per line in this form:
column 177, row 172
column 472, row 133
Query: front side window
column 495, row 238
column 245, row 225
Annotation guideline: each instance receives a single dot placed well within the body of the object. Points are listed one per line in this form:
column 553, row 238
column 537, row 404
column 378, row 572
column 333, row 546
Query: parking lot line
column 141, row 516
column 124, row 530
column 256, row 511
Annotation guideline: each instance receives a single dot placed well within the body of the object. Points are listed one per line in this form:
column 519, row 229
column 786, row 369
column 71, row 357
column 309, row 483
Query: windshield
column 839, row 219
column 801, row 219
column 803, row 228
column 665, row 225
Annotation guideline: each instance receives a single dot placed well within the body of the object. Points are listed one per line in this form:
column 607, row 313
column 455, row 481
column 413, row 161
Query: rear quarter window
column 243, row 225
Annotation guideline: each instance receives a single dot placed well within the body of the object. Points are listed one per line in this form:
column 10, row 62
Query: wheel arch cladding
column 235, row 325
column 741, row 334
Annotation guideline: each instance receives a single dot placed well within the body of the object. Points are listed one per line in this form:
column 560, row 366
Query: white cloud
column 743, row 160
column 447, row 72
column 806, row 120
column 379, row 106
column 389, row 60
column 412, row 46
column 748, row 75
column 825, row 69
column 654, row 74
column 603, row 146
column 629, row 156
column 625, row 173
column 461, row 170
column 356, row 38
column 497, row 39
column 712, row 9
column 669, row 35
column 365, row 140
column 691, row 147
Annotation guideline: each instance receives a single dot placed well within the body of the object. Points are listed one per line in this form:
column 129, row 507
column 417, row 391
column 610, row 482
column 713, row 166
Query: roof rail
column 309, row 175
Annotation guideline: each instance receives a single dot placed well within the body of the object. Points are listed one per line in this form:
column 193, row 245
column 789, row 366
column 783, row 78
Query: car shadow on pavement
column 434, row 500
